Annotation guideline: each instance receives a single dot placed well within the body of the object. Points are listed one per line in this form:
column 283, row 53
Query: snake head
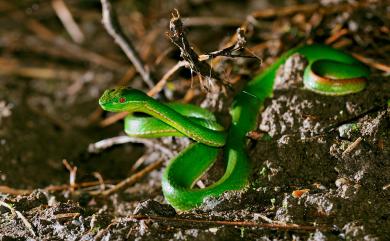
column 122, row 99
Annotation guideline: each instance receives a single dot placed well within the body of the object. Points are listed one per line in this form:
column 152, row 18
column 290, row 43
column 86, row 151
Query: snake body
column 329, row 72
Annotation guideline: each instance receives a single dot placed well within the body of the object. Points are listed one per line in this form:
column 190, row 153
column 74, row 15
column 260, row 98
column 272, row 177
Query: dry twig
column 372, row 63
column 38, row 72
column 138, row 163
column 13, row 191
column 100, row 180
column 238, row 45
column 160, row 85
column 334, row 37
column 66, row 216
column 212, row 21
column 54, row 188
column 59, row 46
column 68, row 21
column 20, row 215
column 273, row 226
column 112, row 119
column 112, row 26
column 72, row 174
column 107, row 143
column 352, row 146
column 177, row 36
column 130, row 180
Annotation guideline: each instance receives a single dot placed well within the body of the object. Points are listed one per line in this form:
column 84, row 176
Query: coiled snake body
column 329, row 72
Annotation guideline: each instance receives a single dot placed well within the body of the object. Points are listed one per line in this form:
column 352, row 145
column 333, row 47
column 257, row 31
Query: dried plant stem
column 107, row 143
column 20, row 215
column 274, row 226
column 68, row 21
column 130, row 180
column 112, row 26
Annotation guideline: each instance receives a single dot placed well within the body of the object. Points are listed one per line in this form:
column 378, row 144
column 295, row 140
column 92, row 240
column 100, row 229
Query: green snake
column 329, row 72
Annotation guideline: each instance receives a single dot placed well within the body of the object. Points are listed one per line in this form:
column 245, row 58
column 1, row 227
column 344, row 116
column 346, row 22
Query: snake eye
column 122, row 99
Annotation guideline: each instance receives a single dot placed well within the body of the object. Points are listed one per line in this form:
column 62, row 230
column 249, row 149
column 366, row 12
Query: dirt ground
column 320, row 167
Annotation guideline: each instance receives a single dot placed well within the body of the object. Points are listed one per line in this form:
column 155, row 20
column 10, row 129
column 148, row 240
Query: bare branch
column 20, row 215
column 238, row 45
column 107, row 143
column 177, row 36
column 68, row 21
column 235, row 223
column 110, row 22
column 130, row 180
column 160, row 85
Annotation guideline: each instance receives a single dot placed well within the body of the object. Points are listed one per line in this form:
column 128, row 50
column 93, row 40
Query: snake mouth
column 107, row 101
column 104, row 101
column 105, row 106
column 110, row 106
